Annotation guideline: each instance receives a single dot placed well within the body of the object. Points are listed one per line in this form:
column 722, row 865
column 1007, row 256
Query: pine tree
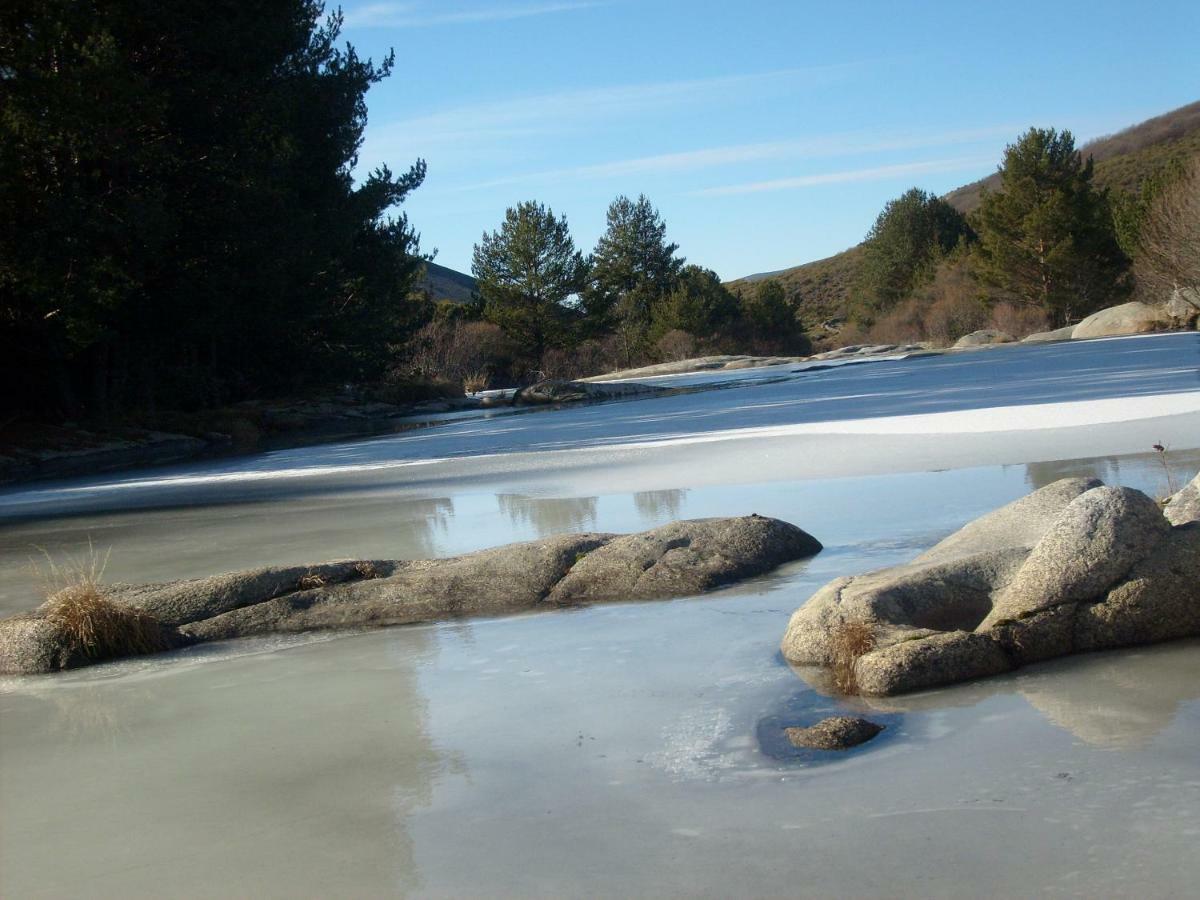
column 634, row 268
column 910, row 237
column 528, row 272
column 699, row 304
column 1046, row 237
column 179, row 221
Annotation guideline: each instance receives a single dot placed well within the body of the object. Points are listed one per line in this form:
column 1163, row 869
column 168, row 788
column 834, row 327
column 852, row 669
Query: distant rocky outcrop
column 676, row 560
column 552, row 391
column 1045, row 337
column 1116, row 321
column 1072, row 567
column 985, row 337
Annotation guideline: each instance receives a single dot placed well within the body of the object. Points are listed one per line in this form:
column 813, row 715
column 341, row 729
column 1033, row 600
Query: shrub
column 1019, row 320
column 454, row 350
column 94, row 623
column 848, row 642
column 676, row 345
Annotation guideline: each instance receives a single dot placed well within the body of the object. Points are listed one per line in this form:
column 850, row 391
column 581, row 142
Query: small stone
column 834, row 733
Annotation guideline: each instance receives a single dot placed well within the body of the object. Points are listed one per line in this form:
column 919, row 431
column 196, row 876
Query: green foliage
column 178, row 221
column 766, row 310
column 699, row 304
column 1130, row 209
column 634, row 268
column 527, row 274
column 909, row 238
column 1046, row 238
column 826, row 289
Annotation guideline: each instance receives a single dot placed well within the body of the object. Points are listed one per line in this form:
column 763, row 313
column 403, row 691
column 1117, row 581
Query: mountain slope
column 446, row 284
column 1123, row 160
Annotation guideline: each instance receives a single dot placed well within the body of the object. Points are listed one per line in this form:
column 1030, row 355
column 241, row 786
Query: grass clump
column 311, row 581
column 92, row 622
column 848, row 642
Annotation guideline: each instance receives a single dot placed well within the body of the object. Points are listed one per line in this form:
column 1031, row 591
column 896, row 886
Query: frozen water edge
column 611, row 751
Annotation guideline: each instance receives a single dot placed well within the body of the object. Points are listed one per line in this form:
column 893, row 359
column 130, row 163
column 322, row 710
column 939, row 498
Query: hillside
column 1123, row 161
column 447, row 284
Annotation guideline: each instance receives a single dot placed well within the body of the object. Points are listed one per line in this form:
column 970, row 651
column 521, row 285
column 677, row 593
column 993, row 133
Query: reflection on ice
column 1120, row 699
column 975, row 396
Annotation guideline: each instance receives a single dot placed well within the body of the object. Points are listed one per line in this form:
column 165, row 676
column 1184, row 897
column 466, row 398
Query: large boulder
column 1183, row 307
column 1094, row 541
column 1128, row 318
column 680, row 559
column 1184, row 507
column 983, row 338
column 947, row 588
column 1074, row 566
column 1045, row 337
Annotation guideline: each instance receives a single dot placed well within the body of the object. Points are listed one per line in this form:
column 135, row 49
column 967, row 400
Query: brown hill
column 1123, row 160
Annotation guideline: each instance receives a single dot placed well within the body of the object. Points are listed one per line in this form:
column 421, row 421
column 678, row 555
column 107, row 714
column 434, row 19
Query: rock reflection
column 549, row 515
column 299, row 771
column 658, row 507
column 1120, row 699
column 1140, row 470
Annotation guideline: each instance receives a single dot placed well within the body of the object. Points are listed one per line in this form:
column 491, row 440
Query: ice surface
column 613, row 751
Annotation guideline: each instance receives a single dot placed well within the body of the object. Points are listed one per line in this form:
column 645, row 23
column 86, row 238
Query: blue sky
column 768, row 133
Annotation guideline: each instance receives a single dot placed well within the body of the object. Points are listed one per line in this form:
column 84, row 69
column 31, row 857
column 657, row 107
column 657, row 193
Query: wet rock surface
column 834, row 733
column 676, row 560
column 1075, row 566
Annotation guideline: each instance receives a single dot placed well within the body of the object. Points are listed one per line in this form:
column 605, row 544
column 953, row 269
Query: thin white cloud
column 543, row 113
column 876, row 173
column 414, row 15
column 735, row 154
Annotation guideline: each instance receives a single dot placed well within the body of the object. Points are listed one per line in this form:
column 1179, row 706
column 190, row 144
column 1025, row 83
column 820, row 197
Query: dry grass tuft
column 79, row 604
column 366, row 569
column 847, row 643
column 311, row 581
column 474, row 382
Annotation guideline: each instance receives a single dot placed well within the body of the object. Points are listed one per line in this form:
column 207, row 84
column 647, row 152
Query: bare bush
column 457, row 350
column 904, row 324
column 592, row 357
column 1018, row 319
column 676, row 345
column 1169, row 244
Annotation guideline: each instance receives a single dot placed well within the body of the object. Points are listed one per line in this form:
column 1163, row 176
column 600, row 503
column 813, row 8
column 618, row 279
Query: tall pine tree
column 634, row 268
column 528, row 273
column 1046, row 237
column 179, row 224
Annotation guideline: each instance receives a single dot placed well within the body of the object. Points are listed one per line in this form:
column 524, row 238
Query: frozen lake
column 614, row 750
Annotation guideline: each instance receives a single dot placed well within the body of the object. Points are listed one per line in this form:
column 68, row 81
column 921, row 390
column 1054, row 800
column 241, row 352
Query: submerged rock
column 834, row 733
column 1072, row 567
column 676, row 560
